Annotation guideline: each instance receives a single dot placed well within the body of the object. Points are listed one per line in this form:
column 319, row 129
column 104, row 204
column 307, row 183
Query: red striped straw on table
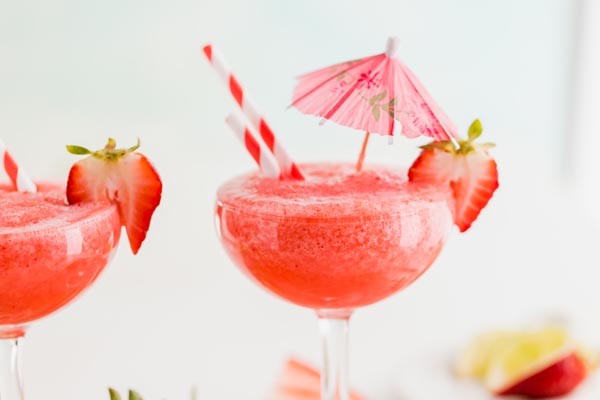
column 266, row 162
column 17, row 175
column 288, row 167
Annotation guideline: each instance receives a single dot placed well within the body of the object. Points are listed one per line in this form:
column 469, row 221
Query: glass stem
column 334, row 369
column 11, row 375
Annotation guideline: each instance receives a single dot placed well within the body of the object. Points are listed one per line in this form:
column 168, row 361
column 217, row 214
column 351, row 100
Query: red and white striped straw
column 266, row 162
column 287, row 165
column 17, row 175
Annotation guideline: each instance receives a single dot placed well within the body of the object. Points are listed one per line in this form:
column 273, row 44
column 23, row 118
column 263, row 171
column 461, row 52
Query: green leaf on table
column 114, row 395
column 133, row 395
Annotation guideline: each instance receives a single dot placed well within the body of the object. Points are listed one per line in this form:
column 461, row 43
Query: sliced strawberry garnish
column 467, row 167
column 121, row 176
column 300, row 382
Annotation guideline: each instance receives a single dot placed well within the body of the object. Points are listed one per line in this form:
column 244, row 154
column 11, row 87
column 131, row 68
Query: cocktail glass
column 337, row 241
column 49, row 253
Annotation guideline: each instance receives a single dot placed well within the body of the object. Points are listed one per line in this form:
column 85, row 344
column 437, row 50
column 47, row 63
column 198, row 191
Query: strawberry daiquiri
column 338, row 239
column 332, row 237
column 342, row 239
column 55, row 242
column 50, row 251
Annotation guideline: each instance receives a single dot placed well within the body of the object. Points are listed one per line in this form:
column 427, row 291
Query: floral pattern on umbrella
column 377, row 94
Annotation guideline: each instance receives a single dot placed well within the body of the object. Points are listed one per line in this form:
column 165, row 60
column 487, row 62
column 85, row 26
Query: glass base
column 333, row 325
column 11, row 362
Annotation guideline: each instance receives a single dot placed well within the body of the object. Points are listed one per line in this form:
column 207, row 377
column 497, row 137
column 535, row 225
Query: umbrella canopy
column 377, row 94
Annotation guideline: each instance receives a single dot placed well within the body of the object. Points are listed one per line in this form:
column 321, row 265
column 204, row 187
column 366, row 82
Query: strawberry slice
column 121, row 176
column 300, row 382
column 468, row 169
column 558, row 379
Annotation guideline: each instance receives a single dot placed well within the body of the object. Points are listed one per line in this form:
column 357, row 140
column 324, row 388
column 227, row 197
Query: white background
column 180, row 314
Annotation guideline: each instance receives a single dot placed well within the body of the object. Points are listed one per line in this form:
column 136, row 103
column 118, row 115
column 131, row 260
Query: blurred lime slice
column 526, row 355
column 475, row 359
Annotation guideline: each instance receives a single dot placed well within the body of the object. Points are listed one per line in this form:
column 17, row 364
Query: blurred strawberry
column 540, row 363
column 558, row 379
column 300, row 382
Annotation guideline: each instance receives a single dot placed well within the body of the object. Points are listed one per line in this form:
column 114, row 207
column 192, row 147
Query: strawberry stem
column 111, row 145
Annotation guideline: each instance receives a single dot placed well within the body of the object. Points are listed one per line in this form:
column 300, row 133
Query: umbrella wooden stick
column 363, row 152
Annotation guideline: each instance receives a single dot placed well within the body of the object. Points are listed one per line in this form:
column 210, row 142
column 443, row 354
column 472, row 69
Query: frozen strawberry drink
column 337, row 240
column 50, row 251
column 334, row 237
column 55, row 240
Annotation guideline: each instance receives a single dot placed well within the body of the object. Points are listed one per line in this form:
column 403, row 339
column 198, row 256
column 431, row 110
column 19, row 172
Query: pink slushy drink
column 337, row 240
column 50, row 251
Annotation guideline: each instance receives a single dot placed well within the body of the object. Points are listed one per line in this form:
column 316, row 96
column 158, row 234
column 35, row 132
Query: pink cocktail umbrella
column 376, row 94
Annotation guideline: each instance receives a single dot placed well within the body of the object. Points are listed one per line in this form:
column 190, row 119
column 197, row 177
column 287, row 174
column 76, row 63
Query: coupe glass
column 49, row 253
column 335, row 242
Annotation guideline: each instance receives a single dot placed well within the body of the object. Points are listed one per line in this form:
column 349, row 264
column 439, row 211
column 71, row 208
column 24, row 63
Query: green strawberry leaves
column 475, row 130
column 133, row 395
column 78, row 150
column 462, row 146
column 109, row 152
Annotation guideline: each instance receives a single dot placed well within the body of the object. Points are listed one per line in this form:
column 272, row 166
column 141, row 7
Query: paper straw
column 287, row 165
column 17, row 175
column 266, row 162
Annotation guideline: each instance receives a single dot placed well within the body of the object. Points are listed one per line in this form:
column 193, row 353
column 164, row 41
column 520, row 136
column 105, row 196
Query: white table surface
column 180, row 314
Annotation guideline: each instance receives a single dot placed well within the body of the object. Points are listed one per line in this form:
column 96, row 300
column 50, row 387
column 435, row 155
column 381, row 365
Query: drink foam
column 337, row 240
column 50, row 251
column 46, row 209
column 329, row 191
